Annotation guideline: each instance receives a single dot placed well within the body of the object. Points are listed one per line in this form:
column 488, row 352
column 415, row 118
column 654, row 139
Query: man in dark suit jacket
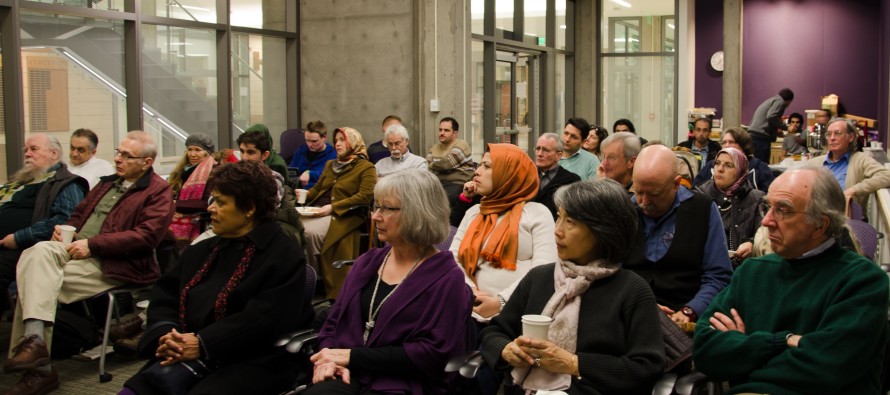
column 547, row 154
column 701, row 144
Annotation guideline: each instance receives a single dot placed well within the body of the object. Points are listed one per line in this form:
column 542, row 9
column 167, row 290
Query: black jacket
column 545, row 195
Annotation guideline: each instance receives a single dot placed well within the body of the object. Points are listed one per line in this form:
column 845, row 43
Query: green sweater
column 837, row 301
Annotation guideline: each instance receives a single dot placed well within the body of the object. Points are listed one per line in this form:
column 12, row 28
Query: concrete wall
column 365, row 59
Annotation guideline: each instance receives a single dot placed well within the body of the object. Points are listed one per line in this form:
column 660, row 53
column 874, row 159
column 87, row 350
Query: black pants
column 762, row 146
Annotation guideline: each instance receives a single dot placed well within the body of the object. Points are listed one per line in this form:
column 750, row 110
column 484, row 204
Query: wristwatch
column 689, row 312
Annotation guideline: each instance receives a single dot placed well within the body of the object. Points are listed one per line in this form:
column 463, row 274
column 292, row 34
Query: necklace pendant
column 368, row 326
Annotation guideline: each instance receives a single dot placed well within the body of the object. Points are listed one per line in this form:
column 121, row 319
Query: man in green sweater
column 809, row 319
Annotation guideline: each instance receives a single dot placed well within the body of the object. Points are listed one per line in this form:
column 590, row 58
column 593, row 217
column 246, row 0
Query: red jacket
column 133, row 229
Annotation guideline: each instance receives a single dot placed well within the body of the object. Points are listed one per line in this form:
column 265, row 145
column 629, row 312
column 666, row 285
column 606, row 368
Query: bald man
column 682, row 249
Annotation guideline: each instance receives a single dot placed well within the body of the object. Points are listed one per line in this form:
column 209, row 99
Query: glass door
column 517, row 116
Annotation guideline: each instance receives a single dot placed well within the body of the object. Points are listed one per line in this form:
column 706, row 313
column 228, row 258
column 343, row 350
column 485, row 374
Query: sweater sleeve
column 872, row 176
column 459, row 237
column 828, row 358
column 59, row 211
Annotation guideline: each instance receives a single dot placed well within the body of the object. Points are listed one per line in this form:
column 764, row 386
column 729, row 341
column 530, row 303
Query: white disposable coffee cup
column 536, row 326
column 301, row 196
column 67, row 233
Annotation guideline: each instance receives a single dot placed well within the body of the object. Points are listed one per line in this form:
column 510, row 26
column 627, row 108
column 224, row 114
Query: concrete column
column 586, row 71
column 732, row 60
column 359, row 63
column 443, row 57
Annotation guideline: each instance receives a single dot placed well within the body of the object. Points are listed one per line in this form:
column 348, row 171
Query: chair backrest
column 866, row 235
column 687, row 164
column 446, row 244
column 311, row 280
column 291, row 139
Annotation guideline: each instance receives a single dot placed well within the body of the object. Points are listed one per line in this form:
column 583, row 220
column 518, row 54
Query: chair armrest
column 281, row 342
column 302, row 343
column 471, row 366
column 343, row 262
column 686, row 384
column 455, row 363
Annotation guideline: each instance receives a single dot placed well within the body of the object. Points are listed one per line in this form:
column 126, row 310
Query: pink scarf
column 570, row 281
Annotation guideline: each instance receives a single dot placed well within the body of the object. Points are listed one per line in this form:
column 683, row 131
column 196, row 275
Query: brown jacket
column 132, row 230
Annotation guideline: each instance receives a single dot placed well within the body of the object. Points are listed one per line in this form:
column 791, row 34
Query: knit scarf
column 515, row 182
column 570, row 281
column 222, row 299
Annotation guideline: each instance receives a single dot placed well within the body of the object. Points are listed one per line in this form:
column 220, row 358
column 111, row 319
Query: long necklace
column 372, row 316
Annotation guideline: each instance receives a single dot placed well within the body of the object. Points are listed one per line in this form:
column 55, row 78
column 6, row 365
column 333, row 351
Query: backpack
column 73, row 334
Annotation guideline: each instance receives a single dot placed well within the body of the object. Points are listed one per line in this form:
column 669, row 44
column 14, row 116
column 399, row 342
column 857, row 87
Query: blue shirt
column 582, row 163
column 716, row 268
column 315, row 166
column 838, row 168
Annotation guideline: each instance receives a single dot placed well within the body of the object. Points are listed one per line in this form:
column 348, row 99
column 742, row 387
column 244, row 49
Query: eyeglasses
column 835, row 133
column 384, row 210
column 781, row 212
column 126, row 156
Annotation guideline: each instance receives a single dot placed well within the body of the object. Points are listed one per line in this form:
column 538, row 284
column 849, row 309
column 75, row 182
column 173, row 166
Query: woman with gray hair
column 618, row 346
column 403, row 310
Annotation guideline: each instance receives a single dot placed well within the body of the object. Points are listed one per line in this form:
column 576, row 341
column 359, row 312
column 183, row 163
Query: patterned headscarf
column 355, row 145
column 741, row 169
column 514, row 181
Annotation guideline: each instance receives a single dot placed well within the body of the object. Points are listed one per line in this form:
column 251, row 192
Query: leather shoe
column 127, row 347
column 35, row 382
column 31, row 353
column 126, row 329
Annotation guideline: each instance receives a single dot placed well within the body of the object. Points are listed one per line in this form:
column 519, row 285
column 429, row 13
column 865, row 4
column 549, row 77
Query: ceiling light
column 622, row 3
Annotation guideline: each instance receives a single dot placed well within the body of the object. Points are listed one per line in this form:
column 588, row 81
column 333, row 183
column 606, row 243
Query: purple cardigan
column 427, row 315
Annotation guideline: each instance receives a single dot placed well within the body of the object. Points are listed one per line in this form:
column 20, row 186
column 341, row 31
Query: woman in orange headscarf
column 333, row 231
column 503, row 237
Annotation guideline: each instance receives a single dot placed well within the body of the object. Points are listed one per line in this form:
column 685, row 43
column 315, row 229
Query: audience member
column 767, row 121
column 39, row 196
column 333, row 232
column 594, row 139
column 120, row 223
column 382, row 337
column 701, row 144
column 378, row 149
column 503, row 237
column 758, row 171
column 575, row 159
column 263, row 145
column 188, row 183
column 809, row 319
column 551, row 174
column 451, row 159
column 605, row 336
column 625, row 125
column 737, row 200
column 400, row 158
column 309, row 159
column 681, row 250
column 218, row 312
column 620, row 152
column 84, row 162
column 795, row 141
column 858, row 174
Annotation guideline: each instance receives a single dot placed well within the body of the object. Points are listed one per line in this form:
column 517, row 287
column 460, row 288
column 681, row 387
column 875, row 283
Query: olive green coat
column 354, row 186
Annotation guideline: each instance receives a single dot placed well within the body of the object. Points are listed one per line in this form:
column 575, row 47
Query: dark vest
column 676, row 278
column 51, row 189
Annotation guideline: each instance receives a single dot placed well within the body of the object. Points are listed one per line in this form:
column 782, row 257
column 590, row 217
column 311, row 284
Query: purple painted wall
column 832, row 47
column 814, row 47
column 708, row 39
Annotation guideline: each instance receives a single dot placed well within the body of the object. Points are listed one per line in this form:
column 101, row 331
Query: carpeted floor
column 77, row 378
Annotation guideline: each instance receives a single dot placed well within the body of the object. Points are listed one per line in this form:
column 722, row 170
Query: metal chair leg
column 105, row 377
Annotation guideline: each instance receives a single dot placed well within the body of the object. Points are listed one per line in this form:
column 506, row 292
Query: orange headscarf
column 514, row 181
